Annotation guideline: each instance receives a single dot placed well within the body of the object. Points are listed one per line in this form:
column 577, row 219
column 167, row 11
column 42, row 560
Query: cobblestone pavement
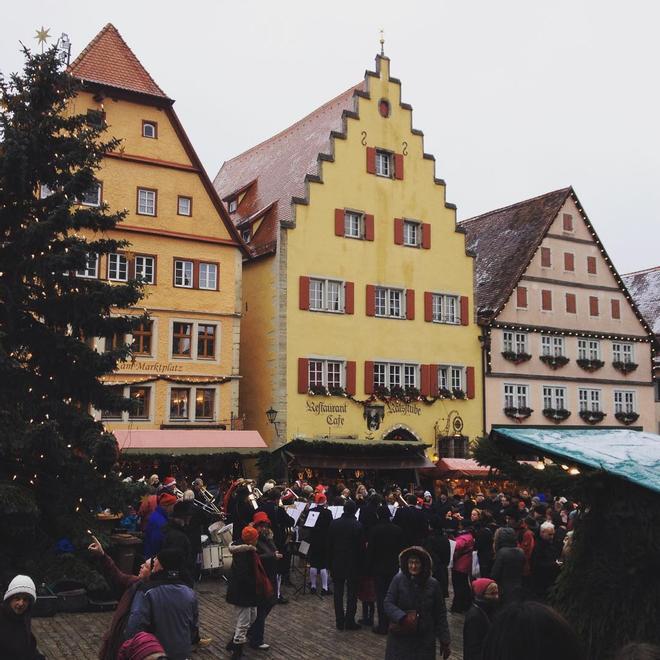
column 304, row 628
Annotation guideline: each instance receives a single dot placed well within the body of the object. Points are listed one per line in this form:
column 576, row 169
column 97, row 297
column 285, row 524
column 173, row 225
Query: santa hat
column 320, row 488
column 166, row 499
column 320, row 498
column 249, row 534
column 260, row 517
column 21, row 584
column 480, row 585
column 168, row 483
column 140, row 647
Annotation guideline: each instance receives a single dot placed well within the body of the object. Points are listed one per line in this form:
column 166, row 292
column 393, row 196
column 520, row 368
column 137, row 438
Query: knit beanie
column 260, row 517
column 320, row 498
column 139, row 647
column 249, row 535
column 479, row 587
column 21, row 584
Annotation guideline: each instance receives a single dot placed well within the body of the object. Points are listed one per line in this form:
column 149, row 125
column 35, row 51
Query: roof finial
column 382, row 42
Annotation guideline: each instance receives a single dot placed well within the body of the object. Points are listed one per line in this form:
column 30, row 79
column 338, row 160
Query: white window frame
column 388, row 303
column 180, row 210
column 623, row 351
column 516, row 395
column 588, row 349
column 396, row 373
column 96, row 203
column 384, row 163
column 553, row 345
column 554, row 397
column 324, row 366
column 208, row 281
column 181, row 265
column 353, row 224
column 412, row 233
column 88, row 273
column 152, row 126
column 146, row 202
column 194, row 340
column 44, row 191
column 319, row 295
column 117, row 263
column 143, row 268
column 192, row 404
column 624, row 401
column 589, row 399
column 451, row 377
column 232, row 205
column 125, row 415
column 446, row 308
column 514, row 342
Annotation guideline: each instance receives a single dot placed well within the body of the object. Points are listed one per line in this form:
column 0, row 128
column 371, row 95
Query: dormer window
column 149, row 129
column 233, row 205
column 246, row 234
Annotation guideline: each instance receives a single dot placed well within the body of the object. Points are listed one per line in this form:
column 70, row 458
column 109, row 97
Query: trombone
column 208, row 506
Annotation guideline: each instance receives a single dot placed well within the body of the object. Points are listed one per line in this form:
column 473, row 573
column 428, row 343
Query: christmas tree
column 55, row 460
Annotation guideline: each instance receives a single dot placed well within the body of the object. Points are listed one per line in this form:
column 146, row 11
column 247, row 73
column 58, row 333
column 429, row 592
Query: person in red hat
column 153, row 532
column 144, row 646
column 318, row 545
column 479, row 617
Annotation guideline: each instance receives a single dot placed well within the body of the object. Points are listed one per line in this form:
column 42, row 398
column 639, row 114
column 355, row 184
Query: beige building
column 564, row 343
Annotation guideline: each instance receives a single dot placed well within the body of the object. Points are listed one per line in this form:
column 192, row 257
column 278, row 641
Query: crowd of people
column 395, row 552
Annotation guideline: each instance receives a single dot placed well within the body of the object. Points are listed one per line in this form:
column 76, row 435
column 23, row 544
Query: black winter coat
column 345, row 547
column 242, row 589
column 318, row 539
column 16, row 639
column 176, row 536
column 475, row 628
column 438, row 546
column 413, row 523
column 280, row 521
column 385, row 544
column 507, row 572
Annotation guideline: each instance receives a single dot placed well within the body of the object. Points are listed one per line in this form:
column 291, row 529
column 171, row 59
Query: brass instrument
column 207, row 506
column 255, row 493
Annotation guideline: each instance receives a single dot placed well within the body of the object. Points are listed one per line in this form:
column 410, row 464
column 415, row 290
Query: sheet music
column 312, row 517
column 303, row 549
column 295, row 509
column 336, row 511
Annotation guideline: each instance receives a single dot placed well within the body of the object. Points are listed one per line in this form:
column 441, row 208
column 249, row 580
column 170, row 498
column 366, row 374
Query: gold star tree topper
column 42, row 36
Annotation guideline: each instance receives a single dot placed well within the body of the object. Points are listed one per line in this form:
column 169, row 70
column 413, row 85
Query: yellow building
column 358, row 324
column 184, row 372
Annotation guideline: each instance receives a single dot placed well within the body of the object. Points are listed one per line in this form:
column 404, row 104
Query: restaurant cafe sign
column 335, row 414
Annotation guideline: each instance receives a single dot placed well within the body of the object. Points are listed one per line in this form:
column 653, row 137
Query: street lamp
column 271, row 414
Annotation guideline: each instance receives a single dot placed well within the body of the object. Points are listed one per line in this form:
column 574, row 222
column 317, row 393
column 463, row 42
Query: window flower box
column 318, row 390
column 555, row 361
column 590, row 365
column 457, row 393
column 624, row 367
column 444, row 393
column 556, row 414
column 412, row 393
column 627, row 417
column 592, row 416
column 518, row 413
column 516, row 358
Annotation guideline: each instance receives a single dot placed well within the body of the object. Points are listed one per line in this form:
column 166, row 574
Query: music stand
column 301, row 553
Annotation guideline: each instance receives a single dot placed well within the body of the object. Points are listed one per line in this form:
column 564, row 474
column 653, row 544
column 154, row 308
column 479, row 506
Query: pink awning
column 466, row 466
column 187, row 441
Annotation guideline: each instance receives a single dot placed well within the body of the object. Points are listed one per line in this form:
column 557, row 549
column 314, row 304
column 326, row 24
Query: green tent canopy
column 627, row 454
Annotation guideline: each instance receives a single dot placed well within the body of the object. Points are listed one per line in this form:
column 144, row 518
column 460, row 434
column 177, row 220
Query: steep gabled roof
column 504, row 242
column 644, row 287
column 278, row 168
column 108, row 60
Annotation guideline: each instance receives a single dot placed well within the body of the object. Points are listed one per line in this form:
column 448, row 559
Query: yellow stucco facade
column 282, row 337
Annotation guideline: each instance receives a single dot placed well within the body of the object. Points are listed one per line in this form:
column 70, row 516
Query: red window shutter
column 567, row 222
column 433, row 380
column 368, row 227
column 616, row 309
column 369, row 377
column 425, row 384
column 350, row 377
column 195, row 274
column 569, row 261
column 371, row 160
column 426, row 236
column 521, row 297
column 303, row 292
column 570, row 303
column 398, row 231
column 465, row 311
column 303, row 375
column 398, row 166
column 339, row 222
column 591, row 265
column 371, row 300
column 131, row 267
column 469, row 382
column 428, row 306
column 349, row 298
column 545, row 257
column 593, row 305
column 410, row 304
column 546, row 300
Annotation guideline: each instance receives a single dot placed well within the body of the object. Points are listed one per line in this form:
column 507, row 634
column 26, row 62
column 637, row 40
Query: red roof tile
column 107, row 60
column 277, row 168
column 504, row 241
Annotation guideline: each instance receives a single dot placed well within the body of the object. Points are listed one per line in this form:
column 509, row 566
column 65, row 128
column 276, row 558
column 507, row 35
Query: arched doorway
column 401, row 434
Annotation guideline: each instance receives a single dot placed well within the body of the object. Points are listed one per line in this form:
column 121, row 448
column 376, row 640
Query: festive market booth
column 458, row 476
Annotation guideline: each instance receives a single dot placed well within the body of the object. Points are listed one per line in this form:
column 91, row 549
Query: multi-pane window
column 208, row 276
column 146, row 202
column 396, row 374
column 184, row 206
column 554, row 397
column 114, row 341
column 624, row 401
column 411, row 233
column 114, row 412
column 450, row 377
column 516, row 396
column 326, row 295
column 193, row 404
column 589, row 400
column 622, row 352
column 552, row 345
column 182, row 339
column 179, row 403
column 390, row 302
column 92, row 196
column 118, row 267
column 326, row 373
column 453, row 446
column 445, row 308
column 383, row 163
column 145, row 269
column 588, row 349
column 142, row 338
column 204, row 403
column 91, row 268
column 515, row 342
column 183, row 273
column 206, row 341
column 140, row 402
column 353, row 223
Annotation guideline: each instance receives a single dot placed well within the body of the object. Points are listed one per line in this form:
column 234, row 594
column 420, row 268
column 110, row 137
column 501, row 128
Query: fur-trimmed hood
column 427, row 562
column 235, row 548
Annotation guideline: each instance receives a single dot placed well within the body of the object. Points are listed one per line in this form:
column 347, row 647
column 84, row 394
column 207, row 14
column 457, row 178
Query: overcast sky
column 515, row 97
